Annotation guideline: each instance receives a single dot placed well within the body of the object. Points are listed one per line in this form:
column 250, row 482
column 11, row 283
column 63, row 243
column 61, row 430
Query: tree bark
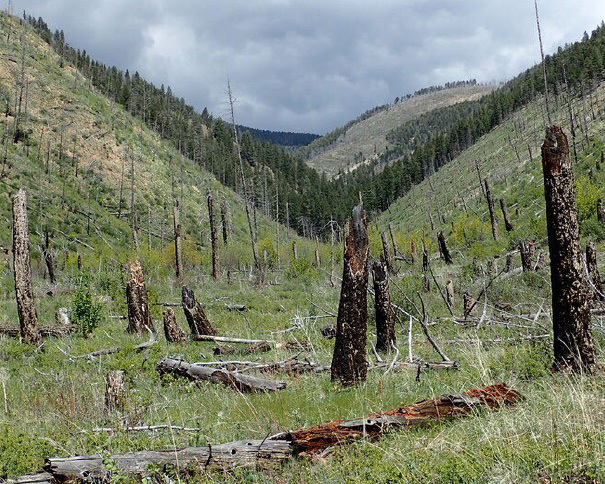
column 139, row 316
column 507, row 224
column 178, row 254
column 115, row 392
column 593, row 271
column 349, row 360
column 573, row 344
column 173, row 333
column 490, row 206
column 28, row 318
column 445, row 253
column 213, row 237
column 199, row 324
column 385, row 319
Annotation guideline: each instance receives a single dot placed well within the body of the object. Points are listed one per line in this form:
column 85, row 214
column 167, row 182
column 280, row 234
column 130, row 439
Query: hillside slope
column 362, row 140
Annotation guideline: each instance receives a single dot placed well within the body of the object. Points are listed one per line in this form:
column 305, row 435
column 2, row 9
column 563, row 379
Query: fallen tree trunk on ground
column 243, row 383
column 268, row 453
column 45, row 331
column 296, row 345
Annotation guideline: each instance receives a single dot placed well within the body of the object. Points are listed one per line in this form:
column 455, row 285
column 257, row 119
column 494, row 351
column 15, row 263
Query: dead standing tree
column 443, row 250
column 199, row 323
column 593, row 273
column 139, row 316
column 349, row 359
column 28, row 318
column 573, row 344
column 490, row 206
column 178, row 252
column 507, row 223
column 213, row 237
column 385, row 319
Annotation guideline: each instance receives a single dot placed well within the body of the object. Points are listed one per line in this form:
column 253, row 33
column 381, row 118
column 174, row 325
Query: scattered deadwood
column 223, row 350
column 269, row 453
column 242, row 383
column 199, row 324
column 313, row 440
column 261, row 347
column 289, row 345
column 349, row 359
column 574, row 347
column 139, row 316
column 236, row 307
column 28, row 317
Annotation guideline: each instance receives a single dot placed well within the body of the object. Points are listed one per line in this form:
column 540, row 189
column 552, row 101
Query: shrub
column 86, row 313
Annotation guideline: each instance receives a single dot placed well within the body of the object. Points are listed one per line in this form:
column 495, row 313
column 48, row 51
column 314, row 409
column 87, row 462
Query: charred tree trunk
column 48, row 256
column 213, row 237
column 28, row 318
column 509, row 226
column 173, row 333
column 449, row 293
column 393, row 241
column 593, row 272
column 443, row 250
column 386, row 254
column 526, row 251
column 139, row 316
column 178, row 254
column 385, row 319
column 490, row 206
column 349, row 359
column 294, row 251
column 225, row 223
column 600, row 215
column 573, row 344
column 115, row 392
column 195, row 314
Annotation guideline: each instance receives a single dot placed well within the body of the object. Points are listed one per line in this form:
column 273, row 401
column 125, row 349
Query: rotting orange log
column 316, row 439
column 270, row 452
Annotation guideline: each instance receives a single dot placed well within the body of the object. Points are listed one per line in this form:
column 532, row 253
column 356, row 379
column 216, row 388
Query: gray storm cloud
column 310, row 65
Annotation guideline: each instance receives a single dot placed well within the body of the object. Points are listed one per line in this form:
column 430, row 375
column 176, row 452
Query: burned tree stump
column 28, row 318
column 393, row 241
column 573, row 344
column 385, row 319
column 199, row 324
column 449, row 293
column 139, row 316
column 349, row 359
column 173, row 333
column 526, row 249
column 213, row 237
column 490, row 206
column 507, row 223
column 115, row 391
column 443, row 250
column 48, row 256
column 593, row 272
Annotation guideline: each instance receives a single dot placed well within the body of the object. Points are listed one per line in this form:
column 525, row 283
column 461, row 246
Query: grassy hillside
column 54, row 396
column 364, row 140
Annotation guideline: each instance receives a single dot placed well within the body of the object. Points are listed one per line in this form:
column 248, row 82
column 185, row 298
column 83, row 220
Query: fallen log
column 277, row 344
column 270, row 452
column 243, row 383
column 45, row 331
column 313, row 440
column 36, row 478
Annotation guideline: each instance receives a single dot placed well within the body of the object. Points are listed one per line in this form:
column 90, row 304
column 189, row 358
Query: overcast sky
column 312, row 65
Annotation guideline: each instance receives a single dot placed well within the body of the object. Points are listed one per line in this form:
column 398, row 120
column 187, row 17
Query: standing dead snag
column 196, row 317
column 349, row 359
column 178, row 254
column 225, row 223
column 48, row 256
column 507, row 224
column 213, row 237
column 490, row 206
column 527, row 250
column 385, row 319
column 593, row 273
column 139, row 316
column 386, row 254
column 600, row 215
column 573, row 344
column 443, row 250
column 28, row 318
column 115, row 393
column 173, row 333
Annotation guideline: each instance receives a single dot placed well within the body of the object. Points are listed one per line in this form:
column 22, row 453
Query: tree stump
column 573, row 344
column 449, row 293
column 443, row 250
column 115, row 391
column 349, row 360
column 199, row 323
column 507, row 223
column 139, row 316
column 526, row 250
column 385, row 319
column 28, row 318
column 173, row 333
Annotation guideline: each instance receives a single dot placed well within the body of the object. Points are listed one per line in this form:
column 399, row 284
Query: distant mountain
column 364, row 139
column 281, row 138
